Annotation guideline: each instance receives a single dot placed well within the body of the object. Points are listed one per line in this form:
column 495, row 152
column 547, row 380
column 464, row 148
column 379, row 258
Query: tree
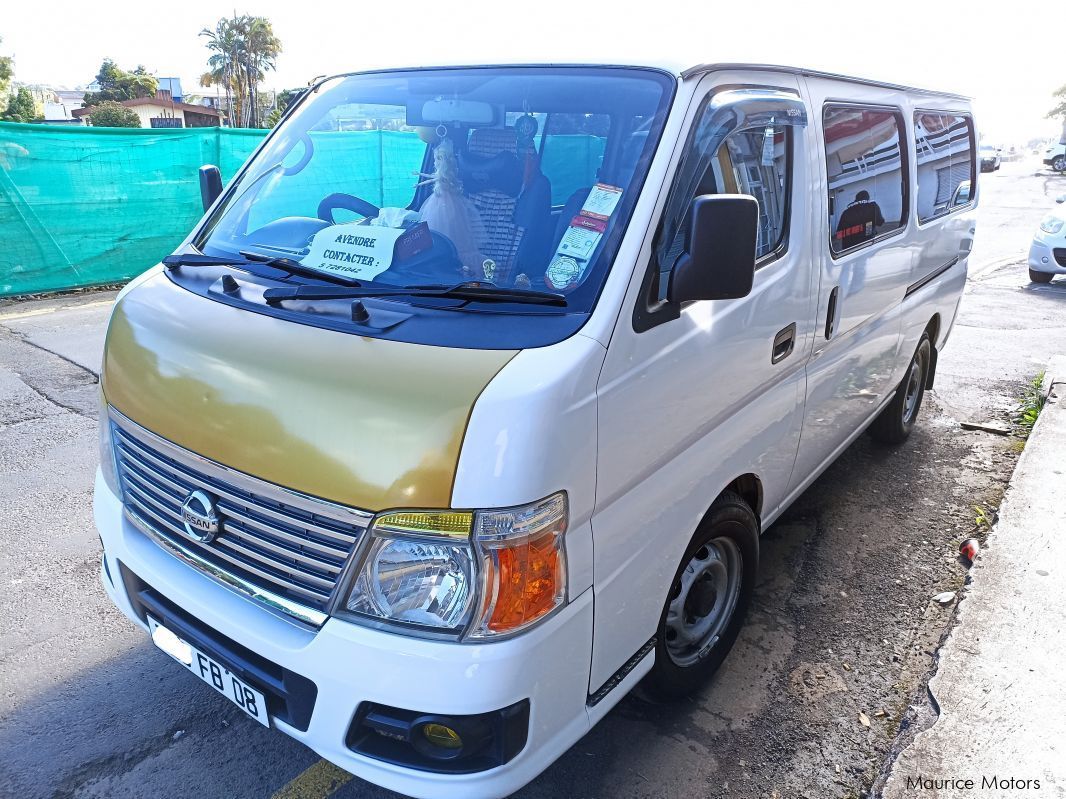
column 116, row 84
column 7, row 70
column 282, row 101
column 109, row 114
column 1060, row 109
column 243, row 48
column 21, row 108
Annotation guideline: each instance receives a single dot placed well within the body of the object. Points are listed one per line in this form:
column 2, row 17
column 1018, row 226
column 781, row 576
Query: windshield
column 522, row 178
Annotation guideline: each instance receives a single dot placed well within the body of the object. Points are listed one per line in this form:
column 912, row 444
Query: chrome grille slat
column 234, row 518
column 233, row 531
column 282, row 543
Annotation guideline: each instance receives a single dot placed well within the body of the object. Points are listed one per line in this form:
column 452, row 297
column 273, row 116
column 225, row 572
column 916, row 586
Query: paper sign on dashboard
column 354, row 251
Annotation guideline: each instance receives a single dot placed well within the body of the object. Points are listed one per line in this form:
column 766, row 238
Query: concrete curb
column 1001, row 729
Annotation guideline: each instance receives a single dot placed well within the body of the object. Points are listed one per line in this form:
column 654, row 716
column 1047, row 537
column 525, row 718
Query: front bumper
column 1042, row 256
column 351, row 665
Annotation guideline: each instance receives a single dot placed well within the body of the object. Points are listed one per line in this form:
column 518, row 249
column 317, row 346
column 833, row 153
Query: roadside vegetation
column 1031, row 403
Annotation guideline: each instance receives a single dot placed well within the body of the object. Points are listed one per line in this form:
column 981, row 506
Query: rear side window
column 867, row 179
column 944, row 152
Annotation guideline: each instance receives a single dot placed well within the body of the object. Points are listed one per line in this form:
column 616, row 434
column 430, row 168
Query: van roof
column 681, row 69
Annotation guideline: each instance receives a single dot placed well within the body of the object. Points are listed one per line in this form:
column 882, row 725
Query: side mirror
column 1061, row 198
column 210, row 185
column 719, row 258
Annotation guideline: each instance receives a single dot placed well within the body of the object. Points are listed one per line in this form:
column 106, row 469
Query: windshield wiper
column 196, row 259
column 294, row 267
column 482, row 292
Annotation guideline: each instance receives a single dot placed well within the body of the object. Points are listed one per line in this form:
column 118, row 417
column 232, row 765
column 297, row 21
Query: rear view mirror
column 210, row 185
column 471, row 113
column 719, row 258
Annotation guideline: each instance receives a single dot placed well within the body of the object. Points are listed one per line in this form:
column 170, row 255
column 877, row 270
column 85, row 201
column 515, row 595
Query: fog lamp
column 442, row 735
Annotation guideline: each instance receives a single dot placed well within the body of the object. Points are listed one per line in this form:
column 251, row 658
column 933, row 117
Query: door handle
column 784, row 343
column 831, row 313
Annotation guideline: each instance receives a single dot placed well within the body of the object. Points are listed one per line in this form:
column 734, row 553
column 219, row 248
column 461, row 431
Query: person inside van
column 859, row 221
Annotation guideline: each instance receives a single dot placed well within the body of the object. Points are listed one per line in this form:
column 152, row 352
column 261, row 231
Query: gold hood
column 361, row 421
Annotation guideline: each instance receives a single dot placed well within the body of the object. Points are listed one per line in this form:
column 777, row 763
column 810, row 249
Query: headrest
column 490, row 141
column 491, row 162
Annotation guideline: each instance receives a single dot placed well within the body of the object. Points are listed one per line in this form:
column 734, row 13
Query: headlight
column 1051, row 224
column 475, row 574
column 107, row 449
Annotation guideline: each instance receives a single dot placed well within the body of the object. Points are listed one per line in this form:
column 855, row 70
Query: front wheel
column 896, row 421
column 1059, row 164
column 1040, row 277
column 708, row 600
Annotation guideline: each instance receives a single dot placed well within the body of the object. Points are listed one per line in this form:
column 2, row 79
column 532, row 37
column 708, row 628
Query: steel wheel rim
column 703, row 601
column 914, row 390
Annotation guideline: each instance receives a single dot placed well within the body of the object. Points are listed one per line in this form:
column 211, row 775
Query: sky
column 1008, row 57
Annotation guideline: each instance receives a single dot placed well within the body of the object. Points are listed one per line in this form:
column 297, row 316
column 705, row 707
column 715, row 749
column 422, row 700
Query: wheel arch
column 749, row 488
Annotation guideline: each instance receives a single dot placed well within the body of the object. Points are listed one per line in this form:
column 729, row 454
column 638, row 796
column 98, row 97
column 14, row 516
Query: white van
column 462, row 410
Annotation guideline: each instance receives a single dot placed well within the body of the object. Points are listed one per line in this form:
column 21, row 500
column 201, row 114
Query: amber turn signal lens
column 523, row 565
column 529, row 581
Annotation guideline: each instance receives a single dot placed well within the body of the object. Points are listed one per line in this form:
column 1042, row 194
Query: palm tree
column 244, row 48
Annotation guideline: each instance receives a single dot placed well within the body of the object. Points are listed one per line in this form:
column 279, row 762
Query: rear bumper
column 350, row 665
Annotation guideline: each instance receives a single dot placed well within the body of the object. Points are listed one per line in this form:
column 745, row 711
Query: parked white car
column 1047, row 254
column 1055, row 156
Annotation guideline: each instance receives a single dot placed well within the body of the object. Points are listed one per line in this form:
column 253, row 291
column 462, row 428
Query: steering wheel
column 349, row 202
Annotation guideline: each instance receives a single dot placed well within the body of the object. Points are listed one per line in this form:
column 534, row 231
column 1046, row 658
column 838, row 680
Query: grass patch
column 1032, row 402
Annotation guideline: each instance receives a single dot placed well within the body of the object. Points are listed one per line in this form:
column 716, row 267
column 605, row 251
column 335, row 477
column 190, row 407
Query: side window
column 754, row 161
column 758, row 162
column 865, row 167
column 944, row 152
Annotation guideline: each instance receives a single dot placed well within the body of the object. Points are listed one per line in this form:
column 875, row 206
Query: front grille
column 290, row 544
column 1060, row 255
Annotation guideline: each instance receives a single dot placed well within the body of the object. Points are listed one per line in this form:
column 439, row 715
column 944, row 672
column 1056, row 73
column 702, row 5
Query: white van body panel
column 533, row 432
column 688, row 406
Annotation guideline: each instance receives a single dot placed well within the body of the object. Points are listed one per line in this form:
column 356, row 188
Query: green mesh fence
column 87, row 206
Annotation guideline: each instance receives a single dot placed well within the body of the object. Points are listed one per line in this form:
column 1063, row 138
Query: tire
column 721, row 564
column 894, row 424
column 1040, row 277
column 1059, row 163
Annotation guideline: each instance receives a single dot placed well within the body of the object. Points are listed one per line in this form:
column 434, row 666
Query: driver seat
column 493, row 176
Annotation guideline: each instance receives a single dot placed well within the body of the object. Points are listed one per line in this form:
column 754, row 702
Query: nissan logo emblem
column 200, row 517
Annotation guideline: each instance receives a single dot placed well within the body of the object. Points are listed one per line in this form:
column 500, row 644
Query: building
column 173, row 86
column 163, row 111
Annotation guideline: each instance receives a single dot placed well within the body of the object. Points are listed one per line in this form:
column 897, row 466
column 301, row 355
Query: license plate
column 211, row 672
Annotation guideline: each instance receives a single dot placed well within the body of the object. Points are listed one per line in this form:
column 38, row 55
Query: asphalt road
column 842, row 621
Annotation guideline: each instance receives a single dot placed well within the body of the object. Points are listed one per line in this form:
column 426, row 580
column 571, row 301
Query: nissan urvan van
column 462, row 410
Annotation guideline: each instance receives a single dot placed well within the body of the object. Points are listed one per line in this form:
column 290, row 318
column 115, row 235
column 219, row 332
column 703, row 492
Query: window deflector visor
column 725, row 112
